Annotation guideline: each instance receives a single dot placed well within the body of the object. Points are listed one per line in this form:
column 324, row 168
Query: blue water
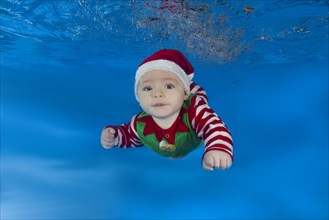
column 67, row 70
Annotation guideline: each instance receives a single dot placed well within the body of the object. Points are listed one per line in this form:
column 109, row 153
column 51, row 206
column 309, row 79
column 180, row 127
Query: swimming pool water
column 67, row 70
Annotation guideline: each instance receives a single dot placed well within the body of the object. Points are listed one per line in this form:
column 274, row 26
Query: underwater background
column 67, row 70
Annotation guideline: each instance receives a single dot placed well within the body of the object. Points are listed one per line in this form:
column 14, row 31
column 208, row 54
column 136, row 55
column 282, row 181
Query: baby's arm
column 123, row 136
column 208, row 126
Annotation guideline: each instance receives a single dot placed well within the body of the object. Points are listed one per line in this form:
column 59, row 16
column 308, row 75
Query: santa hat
column 168, row 60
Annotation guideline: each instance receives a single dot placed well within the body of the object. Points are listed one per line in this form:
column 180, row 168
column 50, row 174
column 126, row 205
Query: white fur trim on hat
column 163, row 65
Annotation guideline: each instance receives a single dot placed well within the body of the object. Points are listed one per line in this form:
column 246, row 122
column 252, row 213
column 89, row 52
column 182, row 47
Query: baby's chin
column 160, row 116
column 158, row 112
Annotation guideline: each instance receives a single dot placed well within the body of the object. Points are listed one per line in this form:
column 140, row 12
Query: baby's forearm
column 125, row 135
column 209, row 127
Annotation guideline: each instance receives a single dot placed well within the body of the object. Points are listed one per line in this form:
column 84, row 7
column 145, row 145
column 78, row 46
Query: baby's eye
column 147, row 88
column 170, row 86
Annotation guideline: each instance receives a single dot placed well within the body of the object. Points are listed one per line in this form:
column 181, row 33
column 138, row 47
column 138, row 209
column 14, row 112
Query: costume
column 196, row 122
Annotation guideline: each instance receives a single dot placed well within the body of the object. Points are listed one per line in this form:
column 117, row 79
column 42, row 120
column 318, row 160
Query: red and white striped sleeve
column 207, row 124
column 126, row 135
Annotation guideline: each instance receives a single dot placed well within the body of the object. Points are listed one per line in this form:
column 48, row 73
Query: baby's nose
column 157, row 93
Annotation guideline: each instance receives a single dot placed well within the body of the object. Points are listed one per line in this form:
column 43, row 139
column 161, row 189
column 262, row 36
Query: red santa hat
column 168, row 60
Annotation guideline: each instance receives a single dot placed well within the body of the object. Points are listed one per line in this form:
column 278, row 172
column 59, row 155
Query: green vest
column 185, row 142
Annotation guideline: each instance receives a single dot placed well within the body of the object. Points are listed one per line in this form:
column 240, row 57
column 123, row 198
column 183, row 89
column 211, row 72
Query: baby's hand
column 108, row 137
column 216, row 159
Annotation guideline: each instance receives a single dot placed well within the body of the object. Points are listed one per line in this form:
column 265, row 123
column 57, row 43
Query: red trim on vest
column 151, row 127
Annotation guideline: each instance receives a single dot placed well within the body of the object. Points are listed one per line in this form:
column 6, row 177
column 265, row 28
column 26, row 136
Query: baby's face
column 161, row 94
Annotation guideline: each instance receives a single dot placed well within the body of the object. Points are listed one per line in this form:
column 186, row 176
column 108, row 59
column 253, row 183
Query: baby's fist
column 216, row 159
column 108, row 137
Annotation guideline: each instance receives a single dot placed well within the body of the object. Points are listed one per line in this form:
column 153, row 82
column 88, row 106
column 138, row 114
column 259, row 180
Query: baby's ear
column 185, row 97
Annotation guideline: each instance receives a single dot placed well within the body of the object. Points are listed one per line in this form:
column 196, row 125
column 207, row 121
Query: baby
column 176, row 117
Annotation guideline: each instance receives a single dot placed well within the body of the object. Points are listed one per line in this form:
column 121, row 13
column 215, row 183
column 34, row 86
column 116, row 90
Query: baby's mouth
column 158, row 105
